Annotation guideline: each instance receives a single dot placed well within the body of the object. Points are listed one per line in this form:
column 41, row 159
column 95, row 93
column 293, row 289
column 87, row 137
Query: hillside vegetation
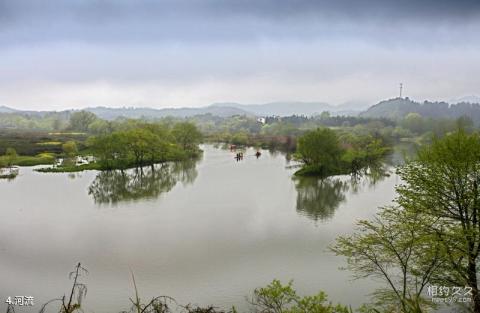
column 398, row 108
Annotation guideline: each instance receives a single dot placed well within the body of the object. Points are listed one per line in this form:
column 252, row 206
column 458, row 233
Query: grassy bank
column 27, row 160
column 32, row 143
column 40, row 159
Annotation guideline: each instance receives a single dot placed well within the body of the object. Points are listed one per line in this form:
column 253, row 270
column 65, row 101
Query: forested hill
column 399, row 107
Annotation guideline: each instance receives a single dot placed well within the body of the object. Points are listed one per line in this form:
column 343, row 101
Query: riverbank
column 28, row 160
column 8, row 173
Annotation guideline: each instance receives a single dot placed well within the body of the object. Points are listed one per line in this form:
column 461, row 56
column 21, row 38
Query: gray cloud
column 189, row 52
column 217, row 20
column 101, row 10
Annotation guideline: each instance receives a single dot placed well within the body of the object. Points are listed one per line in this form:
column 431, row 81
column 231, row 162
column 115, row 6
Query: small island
column 323, row 152
column 138, row 145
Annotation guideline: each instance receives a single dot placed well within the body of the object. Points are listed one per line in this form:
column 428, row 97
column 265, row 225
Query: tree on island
column 324, row 153
column 320, row 151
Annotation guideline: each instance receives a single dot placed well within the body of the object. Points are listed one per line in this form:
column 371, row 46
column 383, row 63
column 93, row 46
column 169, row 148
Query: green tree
column 240, row 138
column 57, row 124
column 413, row 122
column 442, row 185
column 187, row 135
column 278, row 298
column 432, row 235
column 70, row 149
column 320, row 151
column 325, row 115
column 10, row 156
column 465, row 123
column 100, row 127
column 159, row 142
column 139, row 142
column 110, row 149
column 395, row 248
column 81, row 120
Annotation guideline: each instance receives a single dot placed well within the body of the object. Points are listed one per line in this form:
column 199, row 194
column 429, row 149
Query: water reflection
column 111, row 187
column 319, row 198
column 369, row 178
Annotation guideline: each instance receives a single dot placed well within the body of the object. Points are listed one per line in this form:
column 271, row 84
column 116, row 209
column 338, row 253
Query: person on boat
column 239, row 156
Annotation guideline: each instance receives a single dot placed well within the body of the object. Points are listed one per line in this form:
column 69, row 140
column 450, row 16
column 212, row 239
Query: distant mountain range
column 4, row 109
column 294, row 108
column 392, row 108
column 113, row 113
column 217, row 109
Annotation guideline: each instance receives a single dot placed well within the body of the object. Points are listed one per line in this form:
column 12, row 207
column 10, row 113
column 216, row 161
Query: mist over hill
column 229, row 109
column 395, row 108
column 5, row 109
column 113, row 113
column 217, row 109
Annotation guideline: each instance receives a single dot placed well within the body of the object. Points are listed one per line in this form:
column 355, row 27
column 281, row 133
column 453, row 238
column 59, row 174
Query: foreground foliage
column 442, row 186
column 432, row 233
column 273, row 298
column 278, row 298
column 395, row 248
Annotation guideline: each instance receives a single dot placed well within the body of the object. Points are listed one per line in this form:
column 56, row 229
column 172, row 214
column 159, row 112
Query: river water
column 205, row 232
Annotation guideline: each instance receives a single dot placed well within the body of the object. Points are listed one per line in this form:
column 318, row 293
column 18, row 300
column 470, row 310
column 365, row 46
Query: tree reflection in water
column 319, row 198
column 369, row 178
column 149, row 182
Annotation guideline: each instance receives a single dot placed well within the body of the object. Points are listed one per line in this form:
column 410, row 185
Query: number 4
column 9, row 300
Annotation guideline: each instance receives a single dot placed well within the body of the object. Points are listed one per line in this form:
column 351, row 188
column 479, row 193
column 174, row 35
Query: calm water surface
column 205, row 233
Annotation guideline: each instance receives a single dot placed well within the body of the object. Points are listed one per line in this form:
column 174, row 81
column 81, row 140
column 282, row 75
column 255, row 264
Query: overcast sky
column 79, row 53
